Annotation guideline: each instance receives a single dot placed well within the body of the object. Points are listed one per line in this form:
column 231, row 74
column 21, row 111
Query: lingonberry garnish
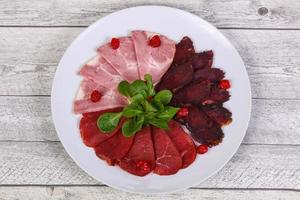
column 95, row 96
column 155, row 41
column 182, row 112
column 202, row 149
column 115, row 43
column 224, row 84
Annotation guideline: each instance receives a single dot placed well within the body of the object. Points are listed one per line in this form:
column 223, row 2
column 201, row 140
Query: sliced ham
column 152, row 60
column 140, row 160
column 115, row 148
column 101, row 72
column 168, row 159
column 111, row 98
column 123, row 59
column 183, row 143
column 89, row 131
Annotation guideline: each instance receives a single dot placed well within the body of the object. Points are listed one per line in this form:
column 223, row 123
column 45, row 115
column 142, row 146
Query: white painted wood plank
column 254, row 166
column 30, row 55
column 222, row 13
column 29, row 119
column 106, row 193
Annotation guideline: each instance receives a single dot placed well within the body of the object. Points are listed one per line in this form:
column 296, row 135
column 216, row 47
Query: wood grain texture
column 29, row 119
column 253, row 166
column 221, row 13
column 30, row 55
column 106, row 193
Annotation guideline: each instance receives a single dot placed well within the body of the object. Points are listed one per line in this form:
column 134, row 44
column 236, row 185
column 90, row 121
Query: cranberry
column 115, row 43
column 155, row 41
column 202, row 149
column 224, row 84
column 95, row 96
column 144, row 165
column 182, row 112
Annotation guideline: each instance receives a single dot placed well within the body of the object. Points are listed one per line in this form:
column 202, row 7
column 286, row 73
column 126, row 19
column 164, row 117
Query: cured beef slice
column 177, row 77
column 168, row 159
column 217, row 96
column 140, row 160
column 123, row 59
column 202, row 60
column 219, row 114
column 184, row 51
column 152, row 60
column 210, row 136
column 193, row 93
column 115, row 148
column 202, row 128
column 211, row 74
column 183, row 143
column 90, row 133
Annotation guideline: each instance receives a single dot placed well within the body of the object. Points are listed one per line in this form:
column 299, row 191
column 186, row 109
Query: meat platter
column 150, row 108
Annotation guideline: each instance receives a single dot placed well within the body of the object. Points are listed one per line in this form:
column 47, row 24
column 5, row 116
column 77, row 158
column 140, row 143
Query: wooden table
column 35, row 33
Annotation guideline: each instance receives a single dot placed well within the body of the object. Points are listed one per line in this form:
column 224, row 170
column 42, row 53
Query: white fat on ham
column 111, row 98
column 123, row 59
column 152, row 60
column 101, row 72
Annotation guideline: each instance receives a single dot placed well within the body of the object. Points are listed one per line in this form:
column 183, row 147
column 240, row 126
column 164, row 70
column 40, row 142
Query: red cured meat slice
column 176, row 77
column 123, row 59
column 203, row 60
column 184, row 51
column 155, row 61
column 193, row 93
column 89, row 131
column 115, row 148
column 183, row 143
column 211, row 74
column 140, row 160
column 168, row 159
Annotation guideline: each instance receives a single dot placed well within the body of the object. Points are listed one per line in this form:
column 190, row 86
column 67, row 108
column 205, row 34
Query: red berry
column 182, row 112
column 95, row 96
column 115, row 43
column 144, row 165
column 224, row 84
column 155, row 41
column 202, row 149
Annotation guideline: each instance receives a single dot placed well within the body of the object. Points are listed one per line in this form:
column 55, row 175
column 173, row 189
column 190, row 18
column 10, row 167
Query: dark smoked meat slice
column 168, row 159
column 183, row 143
column 210, row 136
column 115, row 148
column 219, row 114
column 203, row 60
column 177, row 77
column 90, row 133
column 193, row 93
column 217, row 96
column 196, row 119
column 140, row 160
column 211, row 74
column 184, row 51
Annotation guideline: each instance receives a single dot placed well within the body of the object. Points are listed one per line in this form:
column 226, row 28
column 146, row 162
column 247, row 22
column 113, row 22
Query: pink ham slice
column 155, row 61
column 101, row 72
column 183, row 143
column 115, row 148
column 89, row 131
column 111, row 98
column 140, row 160
column 168, row 159
column 123, row 59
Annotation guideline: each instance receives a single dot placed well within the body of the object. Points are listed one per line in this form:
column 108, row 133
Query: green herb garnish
column 146, row 107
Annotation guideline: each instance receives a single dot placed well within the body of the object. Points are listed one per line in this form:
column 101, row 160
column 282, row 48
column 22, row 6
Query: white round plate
column 175, row 24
